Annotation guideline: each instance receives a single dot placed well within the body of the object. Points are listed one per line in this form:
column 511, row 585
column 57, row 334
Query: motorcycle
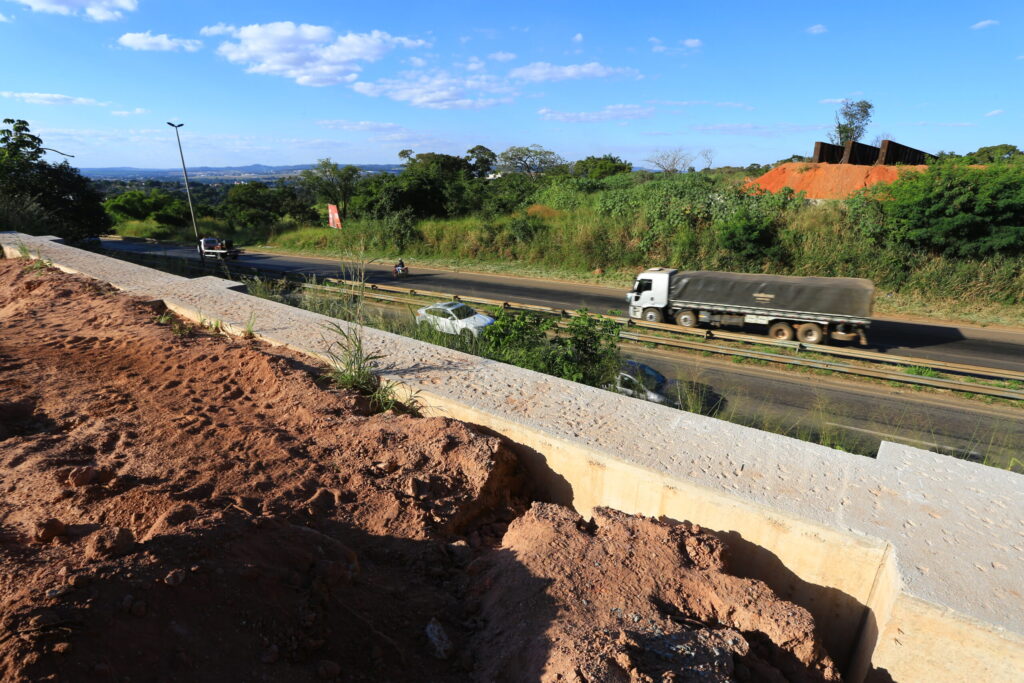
column 399, row 272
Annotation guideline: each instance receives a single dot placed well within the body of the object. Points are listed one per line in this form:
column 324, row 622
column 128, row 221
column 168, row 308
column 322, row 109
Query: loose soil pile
column 828, row 181
column 197, row 508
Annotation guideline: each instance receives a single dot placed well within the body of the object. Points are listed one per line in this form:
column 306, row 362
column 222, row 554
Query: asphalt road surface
column 973, row 346
column 857, row 417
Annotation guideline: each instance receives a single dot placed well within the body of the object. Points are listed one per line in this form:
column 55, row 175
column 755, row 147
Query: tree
column 533, row 160
column 994, row 154
column 597, row 168
column 671, row 160
column 70, row 204
column 481, row 161
column 851, row 122
column 331, row 183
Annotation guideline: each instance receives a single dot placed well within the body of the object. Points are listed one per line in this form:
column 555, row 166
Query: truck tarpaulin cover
column 844, row 296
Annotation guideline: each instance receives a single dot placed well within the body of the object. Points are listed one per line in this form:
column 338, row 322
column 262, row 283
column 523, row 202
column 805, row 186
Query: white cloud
column 832, row 100
column 475, row 64
column 689, row 44
column 578, row 38
column 308, row 54
column 758, row 130
column 540, row 72
column 97, row 10
column 220, row 29
column 161, row 42
column 49, row 98
column 380, row 131
column 994, row 112
column 4, row 19
column 704, row 103
column 612, row 112
column 984, row 24
column 361, row 126
column 944, row 125
column 501, row 56
column 418, row 62
column 131, row 112
column 438, row 90
column 817, row 29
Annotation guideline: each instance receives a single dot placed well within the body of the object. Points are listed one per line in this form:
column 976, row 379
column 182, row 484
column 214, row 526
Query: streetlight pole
column 188, row 192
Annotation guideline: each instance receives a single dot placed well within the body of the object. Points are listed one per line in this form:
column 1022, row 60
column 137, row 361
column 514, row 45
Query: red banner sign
column 333, row 219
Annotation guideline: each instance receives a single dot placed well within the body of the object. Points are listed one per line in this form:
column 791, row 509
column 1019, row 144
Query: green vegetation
column 947, row 242
column 41, row 198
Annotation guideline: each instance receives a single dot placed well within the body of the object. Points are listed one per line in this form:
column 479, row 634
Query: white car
column 453, row 317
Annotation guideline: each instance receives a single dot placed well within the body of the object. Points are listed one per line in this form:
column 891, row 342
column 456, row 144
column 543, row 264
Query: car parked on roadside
column 453, row 317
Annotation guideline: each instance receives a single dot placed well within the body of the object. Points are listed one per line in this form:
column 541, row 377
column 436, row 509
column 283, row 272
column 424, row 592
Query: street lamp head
column 175, row 125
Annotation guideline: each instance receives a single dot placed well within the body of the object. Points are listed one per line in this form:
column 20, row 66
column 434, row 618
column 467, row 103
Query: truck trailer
column 810, row 309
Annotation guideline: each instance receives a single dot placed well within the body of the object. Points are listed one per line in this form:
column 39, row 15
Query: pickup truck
column 217, row 248
column 811, row 309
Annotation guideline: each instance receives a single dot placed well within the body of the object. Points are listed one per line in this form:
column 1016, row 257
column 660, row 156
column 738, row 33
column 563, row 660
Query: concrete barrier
column 911, row 562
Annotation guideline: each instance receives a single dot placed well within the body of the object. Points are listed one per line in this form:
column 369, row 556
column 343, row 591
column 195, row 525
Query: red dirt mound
column 196, row 508
column 625, row 598
column 828, row 181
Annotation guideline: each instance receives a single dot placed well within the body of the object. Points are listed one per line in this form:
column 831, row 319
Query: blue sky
column 283, row 83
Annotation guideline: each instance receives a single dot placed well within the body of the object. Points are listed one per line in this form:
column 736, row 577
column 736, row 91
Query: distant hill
column 211, row 174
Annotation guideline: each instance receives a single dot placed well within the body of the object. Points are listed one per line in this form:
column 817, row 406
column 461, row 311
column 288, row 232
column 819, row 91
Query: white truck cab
column 650, row 294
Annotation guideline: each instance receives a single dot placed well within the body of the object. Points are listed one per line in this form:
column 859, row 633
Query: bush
column 951, row 209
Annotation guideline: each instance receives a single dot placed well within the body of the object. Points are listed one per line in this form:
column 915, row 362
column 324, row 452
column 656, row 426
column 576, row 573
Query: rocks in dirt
column 627, row 598
column 175, row 577
column 86, row 476
column 49, row 529
column 171, row 519
column 440, row 643
column 109, row 542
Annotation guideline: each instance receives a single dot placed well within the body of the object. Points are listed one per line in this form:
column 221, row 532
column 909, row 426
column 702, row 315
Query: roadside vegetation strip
column 915, row 366
column 859, row 354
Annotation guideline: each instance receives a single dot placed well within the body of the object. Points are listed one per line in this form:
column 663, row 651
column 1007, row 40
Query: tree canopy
column 852, row 121
column 42, row 197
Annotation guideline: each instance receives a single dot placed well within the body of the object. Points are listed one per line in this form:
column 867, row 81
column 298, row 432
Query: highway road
column 860, row 415
column 975, row 346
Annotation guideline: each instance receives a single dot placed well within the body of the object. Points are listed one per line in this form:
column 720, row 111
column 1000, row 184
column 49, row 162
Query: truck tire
column 687, row 318
column 781, row 331
column 810, row 333
column 653, row 315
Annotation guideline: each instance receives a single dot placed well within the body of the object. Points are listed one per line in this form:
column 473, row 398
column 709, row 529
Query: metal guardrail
column 860, row 354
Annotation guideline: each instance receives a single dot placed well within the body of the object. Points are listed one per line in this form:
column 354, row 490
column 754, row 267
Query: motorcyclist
column 400, row 264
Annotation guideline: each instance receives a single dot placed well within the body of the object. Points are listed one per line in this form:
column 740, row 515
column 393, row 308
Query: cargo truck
column 810, row 309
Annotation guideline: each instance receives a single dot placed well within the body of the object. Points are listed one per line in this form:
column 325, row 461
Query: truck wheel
column 781, row 331
column 686, row 318
column 810, row 333
column 653, row 315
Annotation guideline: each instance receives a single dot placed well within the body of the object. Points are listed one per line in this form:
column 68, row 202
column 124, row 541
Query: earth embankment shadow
column 842, row 621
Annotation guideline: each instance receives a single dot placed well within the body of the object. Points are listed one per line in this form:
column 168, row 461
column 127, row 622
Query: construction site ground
column 182, row 506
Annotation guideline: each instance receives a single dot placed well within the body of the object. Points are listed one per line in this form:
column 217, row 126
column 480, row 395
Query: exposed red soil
column 203, row 509
column 828, row 181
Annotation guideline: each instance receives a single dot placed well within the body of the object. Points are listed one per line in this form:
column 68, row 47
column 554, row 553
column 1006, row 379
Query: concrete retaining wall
column 911, row 562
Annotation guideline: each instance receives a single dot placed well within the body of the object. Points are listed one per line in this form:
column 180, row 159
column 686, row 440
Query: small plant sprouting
column 181, row 329
column 249, row 331
column 352, row 367
column 164, row 318
column 23, row 252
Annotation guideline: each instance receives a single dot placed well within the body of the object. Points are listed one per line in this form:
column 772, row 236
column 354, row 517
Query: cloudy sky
column 282, row 83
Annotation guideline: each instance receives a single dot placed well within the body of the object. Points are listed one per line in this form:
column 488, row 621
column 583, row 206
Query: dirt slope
column 202, row 509
column 829, row 181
